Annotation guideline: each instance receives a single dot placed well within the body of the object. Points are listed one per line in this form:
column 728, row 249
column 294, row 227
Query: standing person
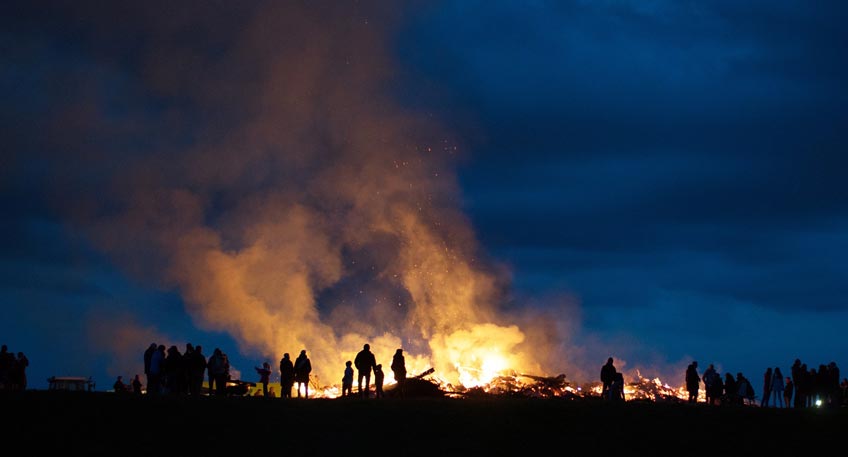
column 21, row 365
column 286, row 376
column 148, row 355
column 399, row 370
column 157, row 362
column 302, row 368
column 364, row 363
column 378, row 381
column 730, row 390
column 264, row 376
column 767, row 378
column 197, row 370
column 607, row 378
column 711, row 380
column 744, row 390
column 797, row 374
column 788, row 390
column 347, row 380
column 119, row 387
column 693, row 381
column 215, row 367
column 136, row 385
column 777, row 386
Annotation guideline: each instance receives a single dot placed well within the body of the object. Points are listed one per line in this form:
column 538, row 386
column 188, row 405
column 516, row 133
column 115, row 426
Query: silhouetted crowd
column 803, row 388
column 12, row 370
column 171, row 372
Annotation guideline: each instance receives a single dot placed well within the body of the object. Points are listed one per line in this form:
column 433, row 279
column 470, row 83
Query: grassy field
column 103, row 423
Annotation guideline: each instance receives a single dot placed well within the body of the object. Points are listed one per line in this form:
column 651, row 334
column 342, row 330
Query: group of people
column 803, row 387
column 365, row 362
column 612, row 382
column 12, row 370
column 170, row 371
column 134, row 387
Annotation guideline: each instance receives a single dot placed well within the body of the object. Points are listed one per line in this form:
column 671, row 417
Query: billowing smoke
column 274, row 181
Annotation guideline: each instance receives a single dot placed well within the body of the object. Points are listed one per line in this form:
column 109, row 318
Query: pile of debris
column 417, row 386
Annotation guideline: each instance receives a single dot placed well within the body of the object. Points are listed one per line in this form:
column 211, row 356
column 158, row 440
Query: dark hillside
column 100, row 423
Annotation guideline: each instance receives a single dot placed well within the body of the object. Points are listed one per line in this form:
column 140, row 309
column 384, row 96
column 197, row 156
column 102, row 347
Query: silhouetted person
column 788, row 390
column 744, row 390
column 378, row 380
column 286, row 376
column 148, row 354
column 617, row 387
column 832, row 385
column 607, row 377
column 797, row 373
column 302, row 368
column 119, row 387
column 264, row 376
column 347, row 379
column 157, row 362
column 399, row 370
column 777, row 387
column 731, row 393
column 693, row 381
column 7, row 364
column 217, row 370
column 364, row 363
column 136, row 385
column 174, row 371
column 21, row 364
column 196, row 367
column 764, row 401
column 711, row 381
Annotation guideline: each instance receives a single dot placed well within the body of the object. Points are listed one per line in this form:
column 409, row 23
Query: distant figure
column 378, row 380
column 399, row 370
column 617, row 387
column 777, row 387
column 364, row 363
column 744, row 390
column 788, row 390
column 217, row 369
column 136, row 385
column 730, row 390
column 693, row 381
column 174, row 371
column 196, row 370
column 148, row 354
column 7, row 363
column 21, row 365
column 157, row 362
column 767, row 378
column 834, row 389
column 347, row 379
column 302, row 368
column 271, row 392
column 797, row 373
column 119, row 387
column 607, row 377
column 711, row 381
column 286, row 376
column 264, row 376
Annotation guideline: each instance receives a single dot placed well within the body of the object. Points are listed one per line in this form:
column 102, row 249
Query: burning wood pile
column 522, row 385
column 418, row 386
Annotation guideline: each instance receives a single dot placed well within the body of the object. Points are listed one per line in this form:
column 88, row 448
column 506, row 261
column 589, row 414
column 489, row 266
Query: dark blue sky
column 669, row 174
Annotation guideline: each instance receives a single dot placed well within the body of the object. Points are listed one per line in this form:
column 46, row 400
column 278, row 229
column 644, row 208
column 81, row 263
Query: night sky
column 657, row 181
